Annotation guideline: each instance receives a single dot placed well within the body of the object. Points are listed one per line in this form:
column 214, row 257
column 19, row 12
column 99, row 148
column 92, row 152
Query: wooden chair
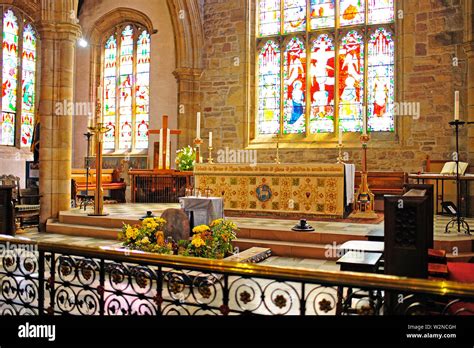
column 26, row 204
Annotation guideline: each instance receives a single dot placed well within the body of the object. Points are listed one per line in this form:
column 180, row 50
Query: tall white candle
column 210, row 139
column 198, row 126
column 364, row 117
column 340, row 135
column 456, row 106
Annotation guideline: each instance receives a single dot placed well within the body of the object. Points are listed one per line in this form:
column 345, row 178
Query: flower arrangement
column 186, row 158
column 214, row 241
column 147, row 236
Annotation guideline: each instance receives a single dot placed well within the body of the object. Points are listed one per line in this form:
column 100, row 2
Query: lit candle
column 456, row 106
column 198, row 126
column 340, row 135
column 210, row 139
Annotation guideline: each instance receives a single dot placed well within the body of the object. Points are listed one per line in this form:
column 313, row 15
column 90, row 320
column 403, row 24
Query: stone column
column 58, row 32
column 189, row 103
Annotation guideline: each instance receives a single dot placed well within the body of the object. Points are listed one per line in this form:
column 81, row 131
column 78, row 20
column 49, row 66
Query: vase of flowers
column 186, row 159
column 147, row 236
column 214, row 241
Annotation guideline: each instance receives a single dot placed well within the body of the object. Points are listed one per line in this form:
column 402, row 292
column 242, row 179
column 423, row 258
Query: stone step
column 291, row 249
column 72, row 218
column 82, row 230
column 325, row 237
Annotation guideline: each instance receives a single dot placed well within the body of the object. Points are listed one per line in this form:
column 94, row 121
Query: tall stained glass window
column 126, row 80
column 325, row 64
column 18, row 76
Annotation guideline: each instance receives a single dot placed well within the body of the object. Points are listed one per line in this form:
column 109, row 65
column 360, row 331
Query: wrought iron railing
column 41, row 278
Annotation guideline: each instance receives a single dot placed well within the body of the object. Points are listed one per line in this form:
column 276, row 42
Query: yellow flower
column 160, row 238
column 145, row 240
column 201, row 229
column 131, row 233
column 197, row 241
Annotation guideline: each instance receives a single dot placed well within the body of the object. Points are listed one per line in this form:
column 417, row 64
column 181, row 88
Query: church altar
column 309, row 189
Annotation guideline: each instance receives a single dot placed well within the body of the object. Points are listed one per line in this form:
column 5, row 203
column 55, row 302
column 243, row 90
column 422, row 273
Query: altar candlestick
column 198, row 126
column 364, row 117
column 210, row 139
column 340, row 135
column 456, row 106
column 90, row 121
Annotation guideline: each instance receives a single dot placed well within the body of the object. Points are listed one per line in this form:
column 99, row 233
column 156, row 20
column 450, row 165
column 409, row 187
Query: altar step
column 280, row 239
column 55, row 226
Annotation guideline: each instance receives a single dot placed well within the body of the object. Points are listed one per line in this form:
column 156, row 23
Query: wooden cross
column 165, row 143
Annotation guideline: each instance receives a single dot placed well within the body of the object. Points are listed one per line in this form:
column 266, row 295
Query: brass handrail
column 376, row 281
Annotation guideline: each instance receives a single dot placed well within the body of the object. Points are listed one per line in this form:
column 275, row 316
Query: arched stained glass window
column 351, row 82
column 381, row 92
column 126, row 80
column 110, row 85
column 18, row 61
column 28, row 85
column 269, row 88
column 332, row 65
column 323, row 81
column 295, row 87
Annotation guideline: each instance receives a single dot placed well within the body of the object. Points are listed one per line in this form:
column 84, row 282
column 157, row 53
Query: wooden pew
column 384, row 183
column 110, row 182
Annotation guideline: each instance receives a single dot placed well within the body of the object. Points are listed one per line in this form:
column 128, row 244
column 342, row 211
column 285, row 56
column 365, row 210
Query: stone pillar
column 189, row 103
column 58, row 31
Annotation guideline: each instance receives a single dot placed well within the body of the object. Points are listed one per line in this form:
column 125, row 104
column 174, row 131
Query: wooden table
column 377, row 235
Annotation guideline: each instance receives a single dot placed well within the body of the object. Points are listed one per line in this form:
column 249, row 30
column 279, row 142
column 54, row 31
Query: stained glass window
column 322, row 14
column 381, row 74
column 269, row 89
column 126, row 99
column 381, row 11
column 352, row 12
column 28, row 85
column 19, row 50
column 295, row 15
column 325, row 64
column 351, row 82
column 110, row 86
column 295, row 87
column 10, row 77
column 269, row 17
column 322, row 75
column 142, row 91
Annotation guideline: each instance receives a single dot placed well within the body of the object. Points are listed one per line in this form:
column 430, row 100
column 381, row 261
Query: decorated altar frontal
column 284, row 189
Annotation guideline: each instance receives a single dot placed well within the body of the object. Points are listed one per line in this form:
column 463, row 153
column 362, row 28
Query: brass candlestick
column 340, row 158
column 277, row 158
column 98, row 131
column 210, row 160
column 197, row 145
column 365, row 199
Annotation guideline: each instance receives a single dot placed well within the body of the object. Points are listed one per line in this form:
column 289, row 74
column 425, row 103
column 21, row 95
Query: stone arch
column 186, row 16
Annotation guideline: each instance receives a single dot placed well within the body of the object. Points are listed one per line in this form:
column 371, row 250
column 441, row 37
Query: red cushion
column 461, row 272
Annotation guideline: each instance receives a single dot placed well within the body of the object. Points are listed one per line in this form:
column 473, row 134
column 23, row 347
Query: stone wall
column 430, row 35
